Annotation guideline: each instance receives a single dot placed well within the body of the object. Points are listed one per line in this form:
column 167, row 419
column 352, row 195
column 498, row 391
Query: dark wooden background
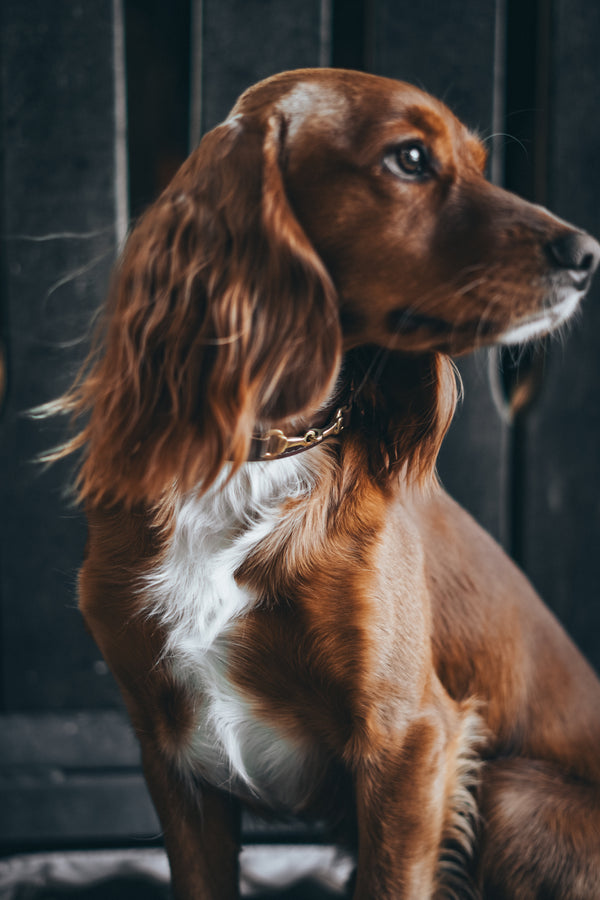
column 101, row 101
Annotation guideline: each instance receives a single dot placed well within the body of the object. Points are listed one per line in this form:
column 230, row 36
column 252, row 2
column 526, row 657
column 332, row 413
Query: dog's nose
column 576, row 252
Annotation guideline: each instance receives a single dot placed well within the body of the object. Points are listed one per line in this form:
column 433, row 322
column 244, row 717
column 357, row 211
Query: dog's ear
column 221, row 316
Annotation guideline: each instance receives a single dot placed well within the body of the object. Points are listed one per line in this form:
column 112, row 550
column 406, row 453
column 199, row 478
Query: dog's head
column 423, row 251
column 332, row 210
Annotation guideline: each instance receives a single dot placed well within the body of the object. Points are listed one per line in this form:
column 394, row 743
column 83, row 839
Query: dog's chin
column 543, row 322
column 408, row 331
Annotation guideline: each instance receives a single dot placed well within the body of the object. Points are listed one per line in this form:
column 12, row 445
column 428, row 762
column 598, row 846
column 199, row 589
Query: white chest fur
column 195, row 596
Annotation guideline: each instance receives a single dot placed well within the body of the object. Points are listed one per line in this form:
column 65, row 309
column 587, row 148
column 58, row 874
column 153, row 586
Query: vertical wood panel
column 562, row 478
column 246, row 40
column 452, row 51
column 158, row 62
column 59, row 127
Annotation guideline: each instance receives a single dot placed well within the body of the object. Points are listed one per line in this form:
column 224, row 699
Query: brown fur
column 287, row 266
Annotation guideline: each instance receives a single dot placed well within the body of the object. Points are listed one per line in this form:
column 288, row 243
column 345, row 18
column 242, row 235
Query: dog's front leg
column 201, row 831
column 401, row 797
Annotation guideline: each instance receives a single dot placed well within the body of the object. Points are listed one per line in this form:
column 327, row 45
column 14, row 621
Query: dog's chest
column 195, row 596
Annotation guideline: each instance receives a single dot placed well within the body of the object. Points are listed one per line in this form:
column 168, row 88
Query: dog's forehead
column 315, row 105
column 355, row 112
column 347, row 110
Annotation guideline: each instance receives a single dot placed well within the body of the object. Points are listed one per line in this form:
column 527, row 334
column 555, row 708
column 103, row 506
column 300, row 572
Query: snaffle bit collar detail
column 274, row 444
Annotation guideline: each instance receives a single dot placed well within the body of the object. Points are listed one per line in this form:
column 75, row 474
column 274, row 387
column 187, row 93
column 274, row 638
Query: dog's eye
column 408, row 160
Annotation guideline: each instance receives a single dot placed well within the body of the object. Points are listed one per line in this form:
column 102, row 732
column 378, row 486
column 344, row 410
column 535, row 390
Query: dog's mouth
column 476, row 331
column 542, row 322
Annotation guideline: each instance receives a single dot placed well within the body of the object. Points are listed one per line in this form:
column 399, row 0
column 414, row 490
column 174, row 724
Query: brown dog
column 326, row 632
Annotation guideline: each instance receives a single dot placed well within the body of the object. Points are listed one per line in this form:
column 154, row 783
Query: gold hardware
column 279, row 443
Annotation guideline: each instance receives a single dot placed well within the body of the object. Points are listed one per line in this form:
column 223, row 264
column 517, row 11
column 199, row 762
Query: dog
column 299, row 618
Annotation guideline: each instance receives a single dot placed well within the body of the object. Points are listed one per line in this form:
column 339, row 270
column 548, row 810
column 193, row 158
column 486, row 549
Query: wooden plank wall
column 64, row 196
column 60, row 224
column 69, row 768
column 562, row 452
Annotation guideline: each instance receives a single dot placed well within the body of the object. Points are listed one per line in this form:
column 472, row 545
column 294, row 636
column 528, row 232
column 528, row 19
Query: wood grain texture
column 562, row 478
column 60, row 214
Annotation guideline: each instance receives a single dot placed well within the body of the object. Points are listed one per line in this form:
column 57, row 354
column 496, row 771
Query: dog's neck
column 327, row 423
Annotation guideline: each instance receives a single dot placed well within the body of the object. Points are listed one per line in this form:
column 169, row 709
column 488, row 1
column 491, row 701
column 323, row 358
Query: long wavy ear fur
column 221, row 315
